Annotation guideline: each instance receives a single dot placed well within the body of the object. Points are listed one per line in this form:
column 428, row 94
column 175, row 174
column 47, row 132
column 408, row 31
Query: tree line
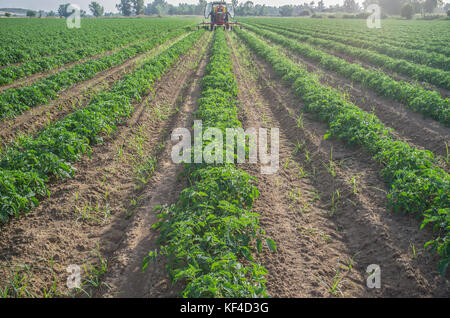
column 405, row 8
column 248, row 8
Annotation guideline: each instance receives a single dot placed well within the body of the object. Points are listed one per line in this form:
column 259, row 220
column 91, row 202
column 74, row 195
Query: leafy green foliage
column 415, row 97
column 17, row 100
column 211, row 228
column 91, row 47
column 417, row 185
column 24, row 40
column 436, row 76
column 415, row 41
column 30, row 162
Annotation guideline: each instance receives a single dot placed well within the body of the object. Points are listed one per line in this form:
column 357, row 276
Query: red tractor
column 220, row 13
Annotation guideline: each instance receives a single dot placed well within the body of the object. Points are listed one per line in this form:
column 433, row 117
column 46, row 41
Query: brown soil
column 76, row 97
column 409, row 126
column 84, row 220
column 125, row 276
column 328, row 229
column 317, row 242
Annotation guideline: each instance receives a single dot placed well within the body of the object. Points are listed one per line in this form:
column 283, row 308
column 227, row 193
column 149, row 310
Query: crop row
column 417, row 185
column 429, row 103
column 17, row 100
column 11, row 73
column 417, row 56
column 211, row 226
column 27, row 39
column 431, row 75
column 428, row 38
column 28, row 165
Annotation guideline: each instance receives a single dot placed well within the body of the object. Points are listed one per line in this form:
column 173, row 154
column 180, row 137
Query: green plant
column 26, row 166
column 417, row 184
column 211, row 228
column 413, row 96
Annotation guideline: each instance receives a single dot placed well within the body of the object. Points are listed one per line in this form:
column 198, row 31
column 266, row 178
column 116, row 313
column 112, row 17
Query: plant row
column 416, row 184
column 17, row 100
column 416, row 56
column 27, row 39
column 211, row 227
column 11, row 73
column 427, row 37
column 28, row 165
column 431, row 75
column 413, row 96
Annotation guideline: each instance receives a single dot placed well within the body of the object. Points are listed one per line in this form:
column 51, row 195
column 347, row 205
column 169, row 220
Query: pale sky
column 110, row 5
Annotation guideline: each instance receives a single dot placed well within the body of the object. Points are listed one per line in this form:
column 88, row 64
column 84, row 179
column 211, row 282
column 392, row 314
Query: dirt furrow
column 310, row 250
column 126, row 278
column 82, row 223
column 74, row 98
column 349, row 209
column 409, row 126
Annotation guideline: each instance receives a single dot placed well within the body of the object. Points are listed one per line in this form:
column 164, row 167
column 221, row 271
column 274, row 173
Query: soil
column 320, row 245
column 74, row 98
column 325, row 207
column 125, row 277
column 411, row 127
column 85, row 220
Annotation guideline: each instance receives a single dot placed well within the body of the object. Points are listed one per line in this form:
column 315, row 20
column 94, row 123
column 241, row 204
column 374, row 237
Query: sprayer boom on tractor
column 220, row 14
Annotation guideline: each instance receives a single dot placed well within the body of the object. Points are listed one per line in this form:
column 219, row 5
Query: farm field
column 87, row 176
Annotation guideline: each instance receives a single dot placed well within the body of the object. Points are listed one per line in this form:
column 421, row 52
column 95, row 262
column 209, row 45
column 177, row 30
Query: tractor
column 220, row 13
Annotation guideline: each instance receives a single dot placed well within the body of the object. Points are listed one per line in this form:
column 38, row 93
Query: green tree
column 200, row 8
column 161, row 7
column 125, row 7
column 62, row 10
column 320, row 6
column 248, row 8
column 31, row 13
column 391, row 6
column 96, row 9
column 407, row 11
column 286, row 10
column 51, row 14
column 138, row 6
column 430, row 5
column 351, row 6
column 7, row 14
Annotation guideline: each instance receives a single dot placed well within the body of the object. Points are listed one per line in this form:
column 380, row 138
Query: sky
column 110, row 5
